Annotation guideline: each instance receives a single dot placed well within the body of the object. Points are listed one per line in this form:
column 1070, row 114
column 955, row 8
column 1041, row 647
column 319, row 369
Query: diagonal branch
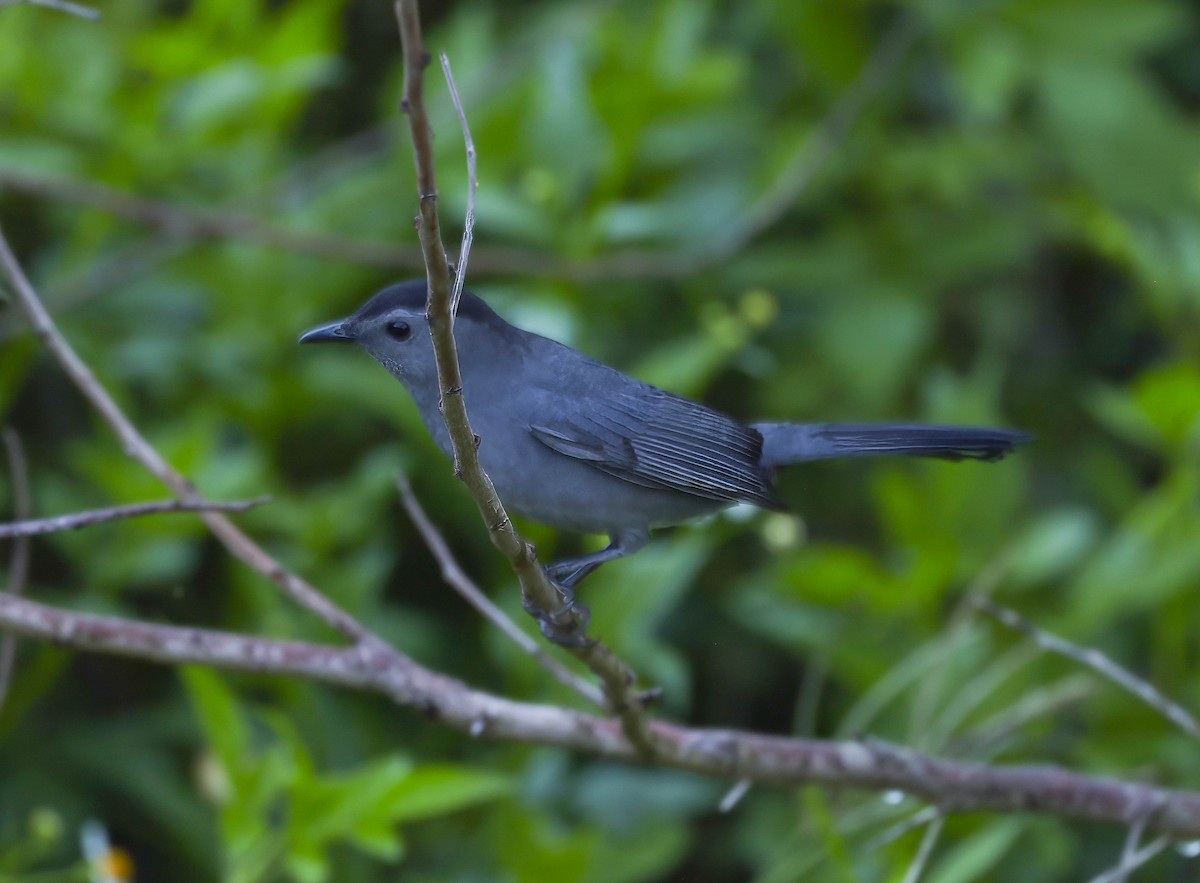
column 1131, row 861
column 950, row 786
column 137, row 447
column 453, row 574
column 536, row 588
column 1091, row 658
column 66, row 6
column 29, row 527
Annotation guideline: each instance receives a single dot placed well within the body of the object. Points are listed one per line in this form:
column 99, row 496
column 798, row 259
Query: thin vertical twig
column 536, row 587
column 464, row 251
column 18, row 565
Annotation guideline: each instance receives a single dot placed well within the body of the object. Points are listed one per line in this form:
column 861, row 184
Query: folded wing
column 658, row 440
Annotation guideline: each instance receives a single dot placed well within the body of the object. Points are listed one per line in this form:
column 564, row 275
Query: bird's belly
column 556, row 490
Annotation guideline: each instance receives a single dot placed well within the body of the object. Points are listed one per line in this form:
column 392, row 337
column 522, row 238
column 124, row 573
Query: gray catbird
column 575, row 444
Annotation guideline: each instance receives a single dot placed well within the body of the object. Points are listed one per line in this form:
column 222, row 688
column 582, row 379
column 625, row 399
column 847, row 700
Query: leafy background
column 1008, row 235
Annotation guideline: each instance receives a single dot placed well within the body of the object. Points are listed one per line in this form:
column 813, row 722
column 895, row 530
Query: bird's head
column 392, row 327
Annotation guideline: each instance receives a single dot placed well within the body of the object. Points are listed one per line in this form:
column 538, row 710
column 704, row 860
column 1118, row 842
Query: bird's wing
column 659, row 440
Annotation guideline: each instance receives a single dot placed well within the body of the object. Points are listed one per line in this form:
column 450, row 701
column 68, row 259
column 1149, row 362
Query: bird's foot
column 567, row 625
column 572, row 633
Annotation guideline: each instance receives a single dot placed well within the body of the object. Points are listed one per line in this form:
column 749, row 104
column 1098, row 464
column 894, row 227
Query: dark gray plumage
column 575, row 444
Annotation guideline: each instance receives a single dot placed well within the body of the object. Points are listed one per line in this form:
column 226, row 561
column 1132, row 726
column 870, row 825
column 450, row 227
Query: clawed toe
column 568, row 634
column 566, row 625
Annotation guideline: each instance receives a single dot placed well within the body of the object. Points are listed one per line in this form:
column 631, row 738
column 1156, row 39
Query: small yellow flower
column 116, row 865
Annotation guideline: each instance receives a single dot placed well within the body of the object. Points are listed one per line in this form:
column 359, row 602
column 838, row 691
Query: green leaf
column 437, row 789
column 1052, row 544
column 217, row 710
column 819, row 813
column 975, row 856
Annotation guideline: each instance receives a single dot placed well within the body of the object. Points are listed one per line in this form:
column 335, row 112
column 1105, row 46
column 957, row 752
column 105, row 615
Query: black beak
column 331, row 332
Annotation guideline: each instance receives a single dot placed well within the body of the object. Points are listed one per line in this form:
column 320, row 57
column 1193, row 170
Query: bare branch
column 1132, row 861
column 952, row 786
column 18, row 566
column 1132, row 838
column 458, row 580
column 536, row 588
column 1098, row 662
column 464, row 251
column 61, row 5
column 74, row 521
column 137, row 447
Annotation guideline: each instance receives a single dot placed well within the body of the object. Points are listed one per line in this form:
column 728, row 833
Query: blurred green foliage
column 1009, row 234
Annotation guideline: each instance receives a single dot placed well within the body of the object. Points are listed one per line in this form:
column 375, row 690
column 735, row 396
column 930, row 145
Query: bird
column 577, row 445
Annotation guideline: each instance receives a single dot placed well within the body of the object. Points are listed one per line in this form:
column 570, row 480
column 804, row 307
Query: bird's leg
column 567, row 624
column 569, row 572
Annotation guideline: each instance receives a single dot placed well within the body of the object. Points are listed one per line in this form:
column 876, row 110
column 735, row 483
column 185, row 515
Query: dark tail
column 785, row 443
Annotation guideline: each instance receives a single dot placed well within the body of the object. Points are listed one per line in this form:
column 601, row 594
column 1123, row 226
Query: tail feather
column 785, row 443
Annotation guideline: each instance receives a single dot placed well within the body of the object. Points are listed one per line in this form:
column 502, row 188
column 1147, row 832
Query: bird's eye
column 399, row 331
